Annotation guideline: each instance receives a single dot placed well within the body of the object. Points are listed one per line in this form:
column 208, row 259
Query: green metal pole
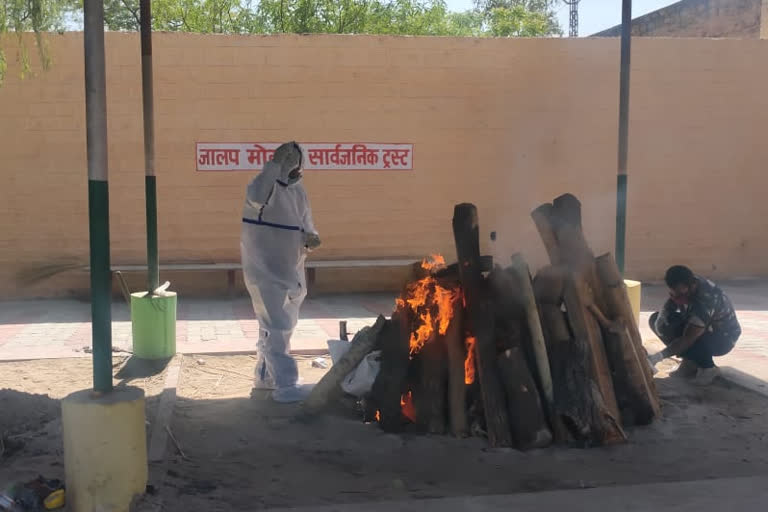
column 621, row 179
column 98, row 194
column 150, row 183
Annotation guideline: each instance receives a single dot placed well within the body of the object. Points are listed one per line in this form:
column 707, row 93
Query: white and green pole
column 98, row 194
column 150, row 183
column 153, row 317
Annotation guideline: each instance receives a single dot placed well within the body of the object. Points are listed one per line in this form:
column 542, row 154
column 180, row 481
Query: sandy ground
column 30, row 410
column 245, row 452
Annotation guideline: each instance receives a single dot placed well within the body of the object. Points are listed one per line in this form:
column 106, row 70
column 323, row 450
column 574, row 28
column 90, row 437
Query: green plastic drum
column 154, row 325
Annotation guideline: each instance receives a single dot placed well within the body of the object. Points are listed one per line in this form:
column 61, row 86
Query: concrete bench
column 231, row 268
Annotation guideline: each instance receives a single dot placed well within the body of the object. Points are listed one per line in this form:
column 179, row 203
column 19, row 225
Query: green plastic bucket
column 153, row 322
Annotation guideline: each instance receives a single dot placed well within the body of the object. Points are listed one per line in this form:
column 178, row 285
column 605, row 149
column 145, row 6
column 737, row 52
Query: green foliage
column 519, row 18
column 398, row 17
column 19, row 16
column 517, row 22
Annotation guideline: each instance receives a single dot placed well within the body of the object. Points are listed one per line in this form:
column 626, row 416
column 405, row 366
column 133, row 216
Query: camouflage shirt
column 711, row 309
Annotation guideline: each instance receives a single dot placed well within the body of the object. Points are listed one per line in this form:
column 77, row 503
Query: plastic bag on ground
column 359, row 381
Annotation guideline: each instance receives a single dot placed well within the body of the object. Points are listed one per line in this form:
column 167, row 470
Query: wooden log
column 508, row 308
column 586, row 331
column 457, row 386
column 329, row 387
column 548, row 290
column 618, row 305
column 430, row 392
column 548, row 287
column 632, row 392
column 580, row 412
column 390, row 383
column 526, row 415
column 566, row 219
column 525, row 291
column 631, row 371
column 513, row 333
column 575, row 251
column 466, row 235
column 579, row 404
column 542, row 218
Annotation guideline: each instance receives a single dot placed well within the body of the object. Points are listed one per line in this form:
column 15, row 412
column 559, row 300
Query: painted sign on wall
column 249, row 156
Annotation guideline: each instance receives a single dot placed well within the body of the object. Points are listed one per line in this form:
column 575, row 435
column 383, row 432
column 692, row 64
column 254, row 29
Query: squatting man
column 697, row 323
column 277, row 233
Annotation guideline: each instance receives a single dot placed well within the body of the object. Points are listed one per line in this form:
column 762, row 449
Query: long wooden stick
column 390, row 383
column 542, row 218
column 520, row 269
column 329, row 386
column 617, row 300
column 467, row 237
column 632, row 376
column 457, row 388
column 587, row 331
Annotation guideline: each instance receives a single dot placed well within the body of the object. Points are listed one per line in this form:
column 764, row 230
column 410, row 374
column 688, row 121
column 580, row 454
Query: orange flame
column 469, row 362
column 434, row 261
column 406, row 405
column 424, row 297
column 432, row 307
column 378, row 416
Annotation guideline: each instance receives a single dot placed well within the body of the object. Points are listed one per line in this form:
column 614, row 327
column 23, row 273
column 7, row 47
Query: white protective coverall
column 277, row 222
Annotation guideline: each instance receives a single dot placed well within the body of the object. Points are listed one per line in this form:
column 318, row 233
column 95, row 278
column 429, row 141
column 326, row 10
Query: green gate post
column 98, row 194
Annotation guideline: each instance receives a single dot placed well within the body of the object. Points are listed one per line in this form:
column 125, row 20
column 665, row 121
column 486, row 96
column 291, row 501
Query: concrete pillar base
column 634, row 290
column 105, row 449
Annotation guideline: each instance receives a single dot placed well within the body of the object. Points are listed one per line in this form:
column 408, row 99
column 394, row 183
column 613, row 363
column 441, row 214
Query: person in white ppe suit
column 277, row 233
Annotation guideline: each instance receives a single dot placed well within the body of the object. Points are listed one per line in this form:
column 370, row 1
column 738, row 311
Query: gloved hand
column 656, row 358
column 288, row 156
column 311, row 241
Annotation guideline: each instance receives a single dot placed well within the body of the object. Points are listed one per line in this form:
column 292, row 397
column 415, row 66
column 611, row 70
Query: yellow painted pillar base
column 634, row 291
column 105, row 449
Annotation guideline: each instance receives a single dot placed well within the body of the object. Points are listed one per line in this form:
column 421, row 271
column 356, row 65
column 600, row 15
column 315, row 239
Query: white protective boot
column 291, row 394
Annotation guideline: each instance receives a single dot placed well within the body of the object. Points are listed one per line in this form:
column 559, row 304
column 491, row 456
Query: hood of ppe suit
column 289, row 163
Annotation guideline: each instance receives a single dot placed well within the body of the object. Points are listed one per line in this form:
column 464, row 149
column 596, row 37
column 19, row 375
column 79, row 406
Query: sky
column 594, row 15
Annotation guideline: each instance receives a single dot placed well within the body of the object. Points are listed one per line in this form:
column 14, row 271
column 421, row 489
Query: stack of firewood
column 477, row 349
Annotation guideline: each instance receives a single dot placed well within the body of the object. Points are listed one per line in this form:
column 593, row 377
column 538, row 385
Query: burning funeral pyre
column 477, row 349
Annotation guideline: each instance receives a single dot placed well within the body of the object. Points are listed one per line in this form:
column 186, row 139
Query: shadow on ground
column 248, row 453
column 245, row 453
column 137, row 368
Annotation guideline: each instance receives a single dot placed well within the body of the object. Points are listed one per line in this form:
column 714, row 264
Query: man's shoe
column 706, row 376
column 686, row 370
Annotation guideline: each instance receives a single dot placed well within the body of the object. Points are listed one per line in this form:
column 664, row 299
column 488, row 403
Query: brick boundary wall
column 503, row 123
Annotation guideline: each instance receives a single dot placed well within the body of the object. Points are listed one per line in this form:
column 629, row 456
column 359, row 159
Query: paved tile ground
column 61, row 328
